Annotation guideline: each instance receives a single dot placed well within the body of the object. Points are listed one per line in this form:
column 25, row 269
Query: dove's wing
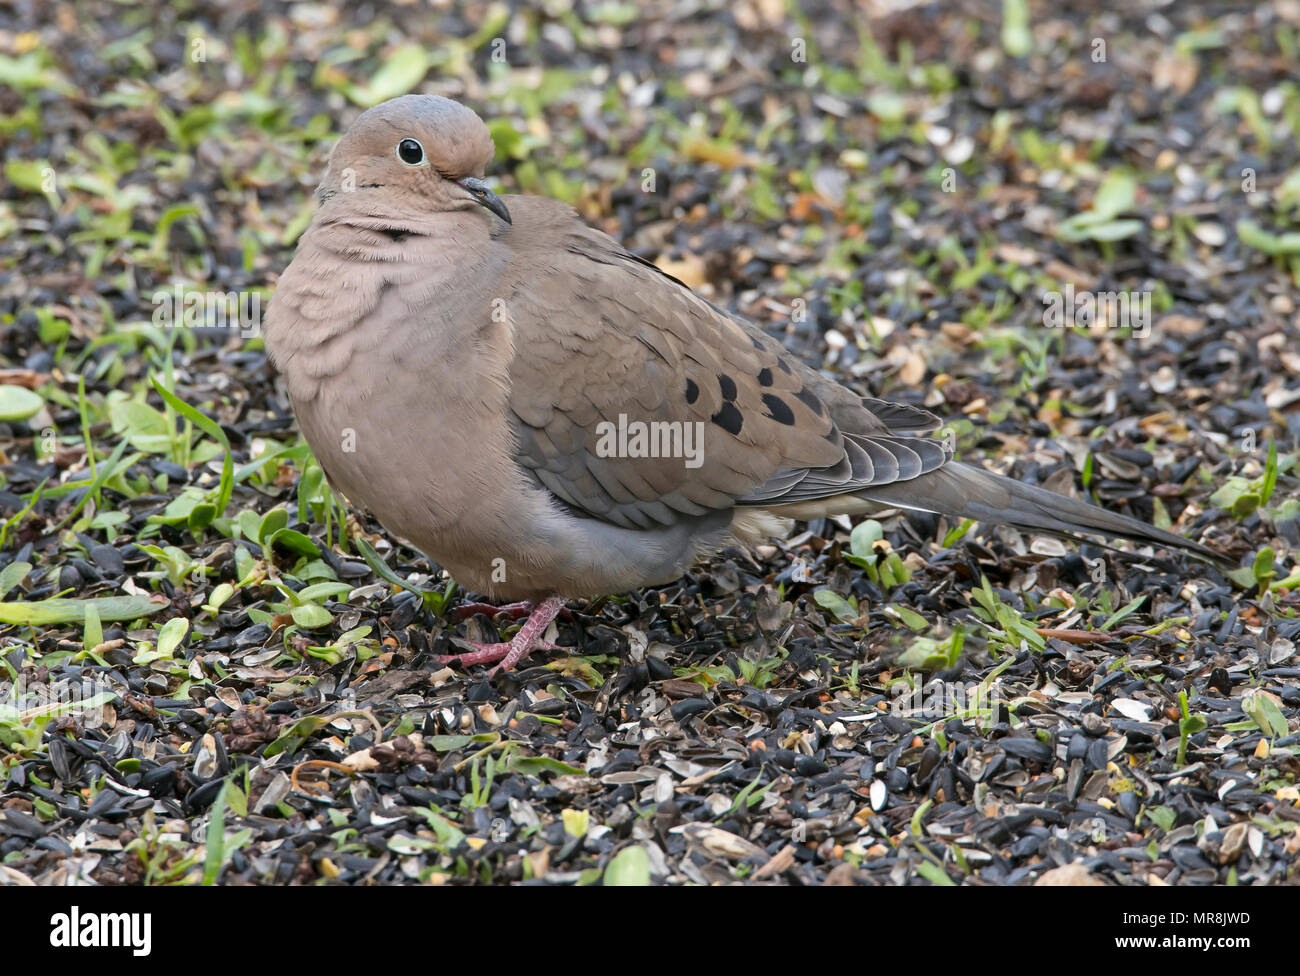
column 604, row 341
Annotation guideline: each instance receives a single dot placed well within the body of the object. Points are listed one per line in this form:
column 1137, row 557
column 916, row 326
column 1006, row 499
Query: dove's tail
column 962, row 491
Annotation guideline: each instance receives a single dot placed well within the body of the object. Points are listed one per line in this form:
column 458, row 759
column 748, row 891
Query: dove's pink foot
column 515, row 610
column 508, row 653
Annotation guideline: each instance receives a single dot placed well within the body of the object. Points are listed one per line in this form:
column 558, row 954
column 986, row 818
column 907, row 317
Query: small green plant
column 22, row 729
column 355, row 641
column 272, row 530
column 1017, row 40
column 220, row 845
column 18, row 403
column 480, row 786
column 162, row 860
column 630, row 867
column 931, row 654
column 759, row 674
column 1188, row 726
column 1102, row 223
column 1263, row 710
column 1275, row 245
column 842, row 609
column 869, row 551
column 303, row 606
column 1259, row 573
column 1243, row 497
column 170, row 636
column 317, row 502
column 1006, row 625
column 437, row 602
column 174, row 564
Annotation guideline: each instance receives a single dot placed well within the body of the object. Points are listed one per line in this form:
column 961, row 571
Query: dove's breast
column 396, row 360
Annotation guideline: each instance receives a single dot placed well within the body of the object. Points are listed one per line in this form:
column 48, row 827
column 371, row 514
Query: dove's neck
column 365, row 283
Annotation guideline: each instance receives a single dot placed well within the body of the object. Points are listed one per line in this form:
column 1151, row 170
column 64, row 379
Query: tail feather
column 962, row 491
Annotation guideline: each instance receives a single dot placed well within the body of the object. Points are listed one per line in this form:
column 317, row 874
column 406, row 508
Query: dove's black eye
column 410, row 152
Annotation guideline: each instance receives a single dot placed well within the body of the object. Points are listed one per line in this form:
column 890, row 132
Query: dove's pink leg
column 529, row 638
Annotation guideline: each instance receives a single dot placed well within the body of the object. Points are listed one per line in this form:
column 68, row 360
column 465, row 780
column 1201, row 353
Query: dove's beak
column 480, row 191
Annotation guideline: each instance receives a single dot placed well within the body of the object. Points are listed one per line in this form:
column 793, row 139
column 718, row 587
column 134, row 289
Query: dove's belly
column 495, row 533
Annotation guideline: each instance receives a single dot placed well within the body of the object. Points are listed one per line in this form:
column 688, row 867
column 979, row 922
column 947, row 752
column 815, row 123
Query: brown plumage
column 457, row 363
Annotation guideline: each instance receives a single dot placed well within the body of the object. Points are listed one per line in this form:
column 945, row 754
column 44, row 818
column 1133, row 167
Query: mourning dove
column 544, row 413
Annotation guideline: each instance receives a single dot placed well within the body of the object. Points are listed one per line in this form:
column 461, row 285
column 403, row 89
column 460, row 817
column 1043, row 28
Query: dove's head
column 420, row 151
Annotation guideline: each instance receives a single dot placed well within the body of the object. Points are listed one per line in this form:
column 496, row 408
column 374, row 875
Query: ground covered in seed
column 890, row 191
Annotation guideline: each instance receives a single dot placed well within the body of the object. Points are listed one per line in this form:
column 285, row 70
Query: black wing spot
column 692, row 391
column 783, row 365
column 810, row 399
column 728, row 387
column 729, row 419
column 765, row 377
column 778, row 410
column 758, row 343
